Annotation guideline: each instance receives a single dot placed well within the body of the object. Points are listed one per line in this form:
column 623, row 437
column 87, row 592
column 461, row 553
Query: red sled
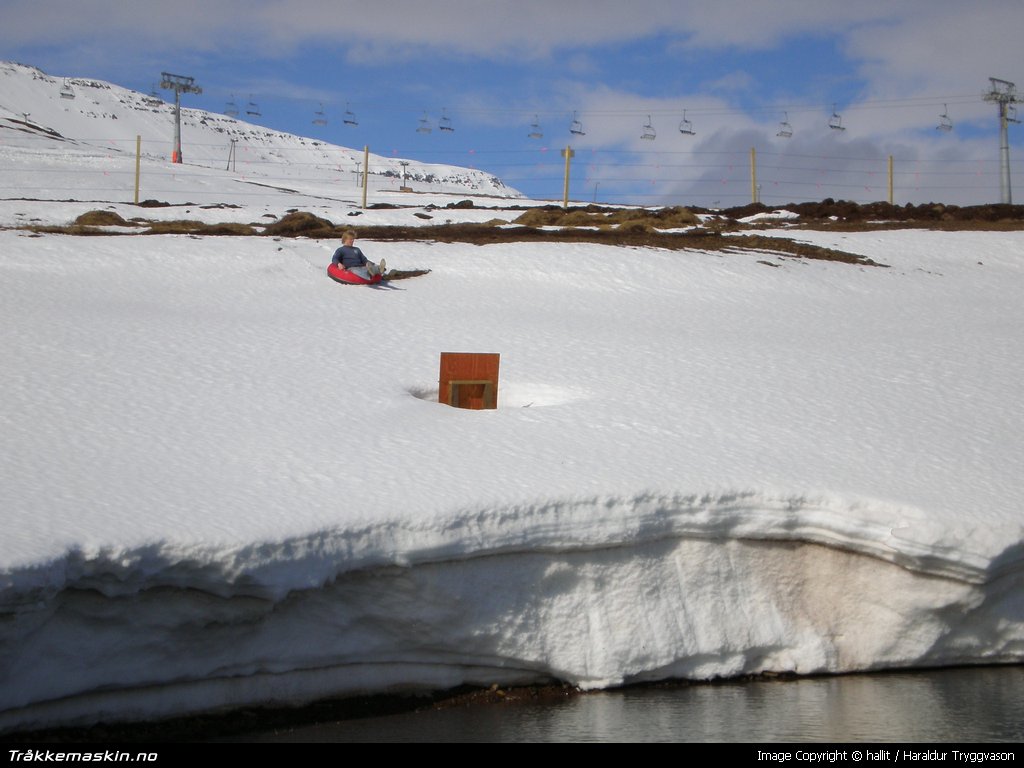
column 340, row 275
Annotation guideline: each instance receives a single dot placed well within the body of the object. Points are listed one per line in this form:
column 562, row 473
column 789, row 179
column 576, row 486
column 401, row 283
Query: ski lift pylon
column 836, row 121
column 445, row 123
column 685, row 126
column 535, row 131
column 785, row 129
column 648, row 131
column 576, row 127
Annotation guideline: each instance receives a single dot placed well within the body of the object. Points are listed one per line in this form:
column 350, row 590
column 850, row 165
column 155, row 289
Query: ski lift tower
column 1004, row 94
column 179, row 84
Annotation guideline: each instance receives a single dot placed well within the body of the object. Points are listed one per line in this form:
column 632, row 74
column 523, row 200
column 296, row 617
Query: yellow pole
column 366, row 170
column 891, row 199
column 565, row 192
column 753, row 175
column 138, row 160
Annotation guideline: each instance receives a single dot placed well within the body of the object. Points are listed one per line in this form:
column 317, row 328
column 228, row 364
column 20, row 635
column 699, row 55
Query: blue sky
column 737, row 68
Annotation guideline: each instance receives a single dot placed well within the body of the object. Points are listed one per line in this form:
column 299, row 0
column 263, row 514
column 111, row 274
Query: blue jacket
column 349, row 256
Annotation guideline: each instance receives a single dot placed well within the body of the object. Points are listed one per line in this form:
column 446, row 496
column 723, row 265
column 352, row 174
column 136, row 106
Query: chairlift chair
column 319, row 118
column 253, row 108
column 685, row 126
column 1011, row 114
column 350, row 116
column 535, row 131
column 785, row 129
column 424, row 126
column 945, row 124
column 445, row 123
column 835, row 122
column 231, row 109
column 576, row 127
column 67, row 92
column 648, row 133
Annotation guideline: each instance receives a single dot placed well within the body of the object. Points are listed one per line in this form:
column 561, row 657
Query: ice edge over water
column 597, row 592
column 270, row 570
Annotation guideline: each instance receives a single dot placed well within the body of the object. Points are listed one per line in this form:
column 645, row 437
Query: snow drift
column 226, row 482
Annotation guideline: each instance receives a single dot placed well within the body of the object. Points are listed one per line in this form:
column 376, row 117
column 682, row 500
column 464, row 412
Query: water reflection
column 980, row 705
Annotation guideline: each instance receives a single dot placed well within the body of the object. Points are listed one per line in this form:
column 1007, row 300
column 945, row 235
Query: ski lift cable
column 795, row 107
column 905, row 102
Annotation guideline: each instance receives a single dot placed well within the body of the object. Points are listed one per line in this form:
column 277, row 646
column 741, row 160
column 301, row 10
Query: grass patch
column 103, row 219
column 632, row 219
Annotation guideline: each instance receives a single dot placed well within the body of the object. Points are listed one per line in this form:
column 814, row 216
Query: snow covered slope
column 226, row 480
column 78, row 137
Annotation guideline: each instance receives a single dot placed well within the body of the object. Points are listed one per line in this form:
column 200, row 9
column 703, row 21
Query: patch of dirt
column 232, row 228
column 300, row 223
column 701, row 229
column 405, row 274
column 849, row 216
column 102, row 219
column 625, row 219
column 190, row 227
column 699, row 239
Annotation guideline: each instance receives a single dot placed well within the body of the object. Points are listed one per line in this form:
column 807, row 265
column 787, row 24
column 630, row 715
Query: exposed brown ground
column 672, row 228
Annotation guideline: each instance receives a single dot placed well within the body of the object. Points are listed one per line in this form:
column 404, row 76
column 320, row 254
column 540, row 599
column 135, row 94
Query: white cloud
column 942, row 48
column 734, row 81
column 914, row 45
column 136, row 25
column 498, row 28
